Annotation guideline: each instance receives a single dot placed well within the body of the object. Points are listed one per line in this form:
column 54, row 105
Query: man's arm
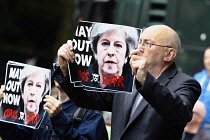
column 82, row 98
column 175, row 104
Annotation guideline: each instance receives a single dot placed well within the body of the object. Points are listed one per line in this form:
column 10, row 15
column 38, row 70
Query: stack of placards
column 102, row 57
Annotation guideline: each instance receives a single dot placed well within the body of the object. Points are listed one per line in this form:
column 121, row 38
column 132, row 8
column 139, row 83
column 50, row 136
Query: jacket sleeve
column 82, row 98
column 91, row 127
column 173, row 101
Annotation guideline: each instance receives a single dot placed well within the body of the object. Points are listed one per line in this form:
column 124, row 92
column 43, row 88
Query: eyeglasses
column 147, row 45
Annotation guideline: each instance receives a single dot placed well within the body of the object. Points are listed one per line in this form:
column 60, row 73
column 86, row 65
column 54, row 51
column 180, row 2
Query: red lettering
column 31, row 117
column 105, row 79
column 120, row 81
column 11, row 113
column 83, row 75
column 112, row 80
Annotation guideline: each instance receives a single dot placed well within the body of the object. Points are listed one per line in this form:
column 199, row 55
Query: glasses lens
column 146, row 45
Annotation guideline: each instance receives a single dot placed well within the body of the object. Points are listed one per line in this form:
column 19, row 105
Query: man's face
column 155, row 54
column 111, row 50
column 207, row 59
column 33, row 90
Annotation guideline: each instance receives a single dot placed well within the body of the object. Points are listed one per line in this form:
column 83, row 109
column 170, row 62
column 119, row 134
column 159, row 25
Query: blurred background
column 31, row 31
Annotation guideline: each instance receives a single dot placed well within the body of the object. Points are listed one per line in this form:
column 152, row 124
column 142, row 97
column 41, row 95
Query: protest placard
column 25, row 88
column 101, row 56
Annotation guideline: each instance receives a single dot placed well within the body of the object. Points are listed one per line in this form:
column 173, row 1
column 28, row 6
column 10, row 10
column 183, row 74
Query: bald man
column 193, row 130
column 162, row 100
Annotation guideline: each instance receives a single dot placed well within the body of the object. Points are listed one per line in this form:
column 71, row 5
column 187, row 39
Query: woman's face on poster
column 33, row 91
column 111, row 51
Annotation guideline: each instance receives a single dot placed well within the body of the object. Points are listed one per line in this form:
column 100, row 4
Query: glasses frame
column 153, row 44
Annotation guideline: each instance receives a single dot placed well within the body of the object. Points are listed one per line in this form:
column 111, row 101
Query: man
column 162, row 100
column 203, row 78
column 193, row 129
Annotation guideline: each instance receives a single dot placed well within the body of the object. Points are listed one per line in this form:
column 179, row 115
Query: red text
column 31, row 117
column 112, row 80
column 83, row 75
column 11, row 113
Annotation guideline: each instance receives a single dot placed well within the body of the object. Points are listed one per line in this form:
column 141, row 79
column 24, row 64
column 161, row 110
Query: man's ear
column 170, row 54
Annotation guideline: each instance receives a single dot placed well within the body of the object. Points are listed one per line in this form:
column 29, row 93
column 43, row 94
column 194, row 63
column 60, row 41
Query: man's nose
column 141, row 49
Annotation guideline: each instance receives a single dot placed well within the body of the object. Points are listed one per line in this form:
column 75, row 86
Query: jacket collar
column 168, row 74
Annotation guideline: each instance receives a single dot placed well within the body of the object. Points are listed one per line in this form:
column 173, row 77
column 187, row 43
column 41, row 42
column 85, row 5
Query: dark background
column 33, row 29
column 37, row 28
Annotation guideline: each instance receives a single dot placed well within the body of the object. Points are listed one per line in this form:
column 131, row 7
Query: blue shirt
column 203, row 78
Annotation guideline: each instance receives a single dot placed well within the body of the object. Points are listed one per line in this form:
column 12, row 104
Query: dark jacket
column 162, row 114
column 92, row 127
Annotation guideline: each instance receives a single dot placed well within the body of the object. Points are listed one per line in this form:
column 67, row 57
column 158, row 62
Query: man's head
column 160, row 45
column 206, row 59
column 163, row 35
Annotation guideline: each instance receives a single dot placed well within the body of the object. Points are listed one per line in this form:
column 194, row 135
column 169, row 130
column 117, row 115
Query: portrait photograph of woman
column 110, row 45
column 24, row 104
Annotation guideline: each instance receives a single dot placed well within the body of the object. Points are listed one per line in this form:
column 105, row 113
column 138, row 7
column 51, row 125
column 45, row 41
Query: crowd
column 165, row 104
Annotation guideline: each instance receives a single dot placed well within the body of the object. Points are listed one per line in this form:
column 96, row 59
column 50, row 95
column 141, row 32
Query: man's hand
column 65, row 55
column 138, row 65
column 52, row 105
column 2, row 91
